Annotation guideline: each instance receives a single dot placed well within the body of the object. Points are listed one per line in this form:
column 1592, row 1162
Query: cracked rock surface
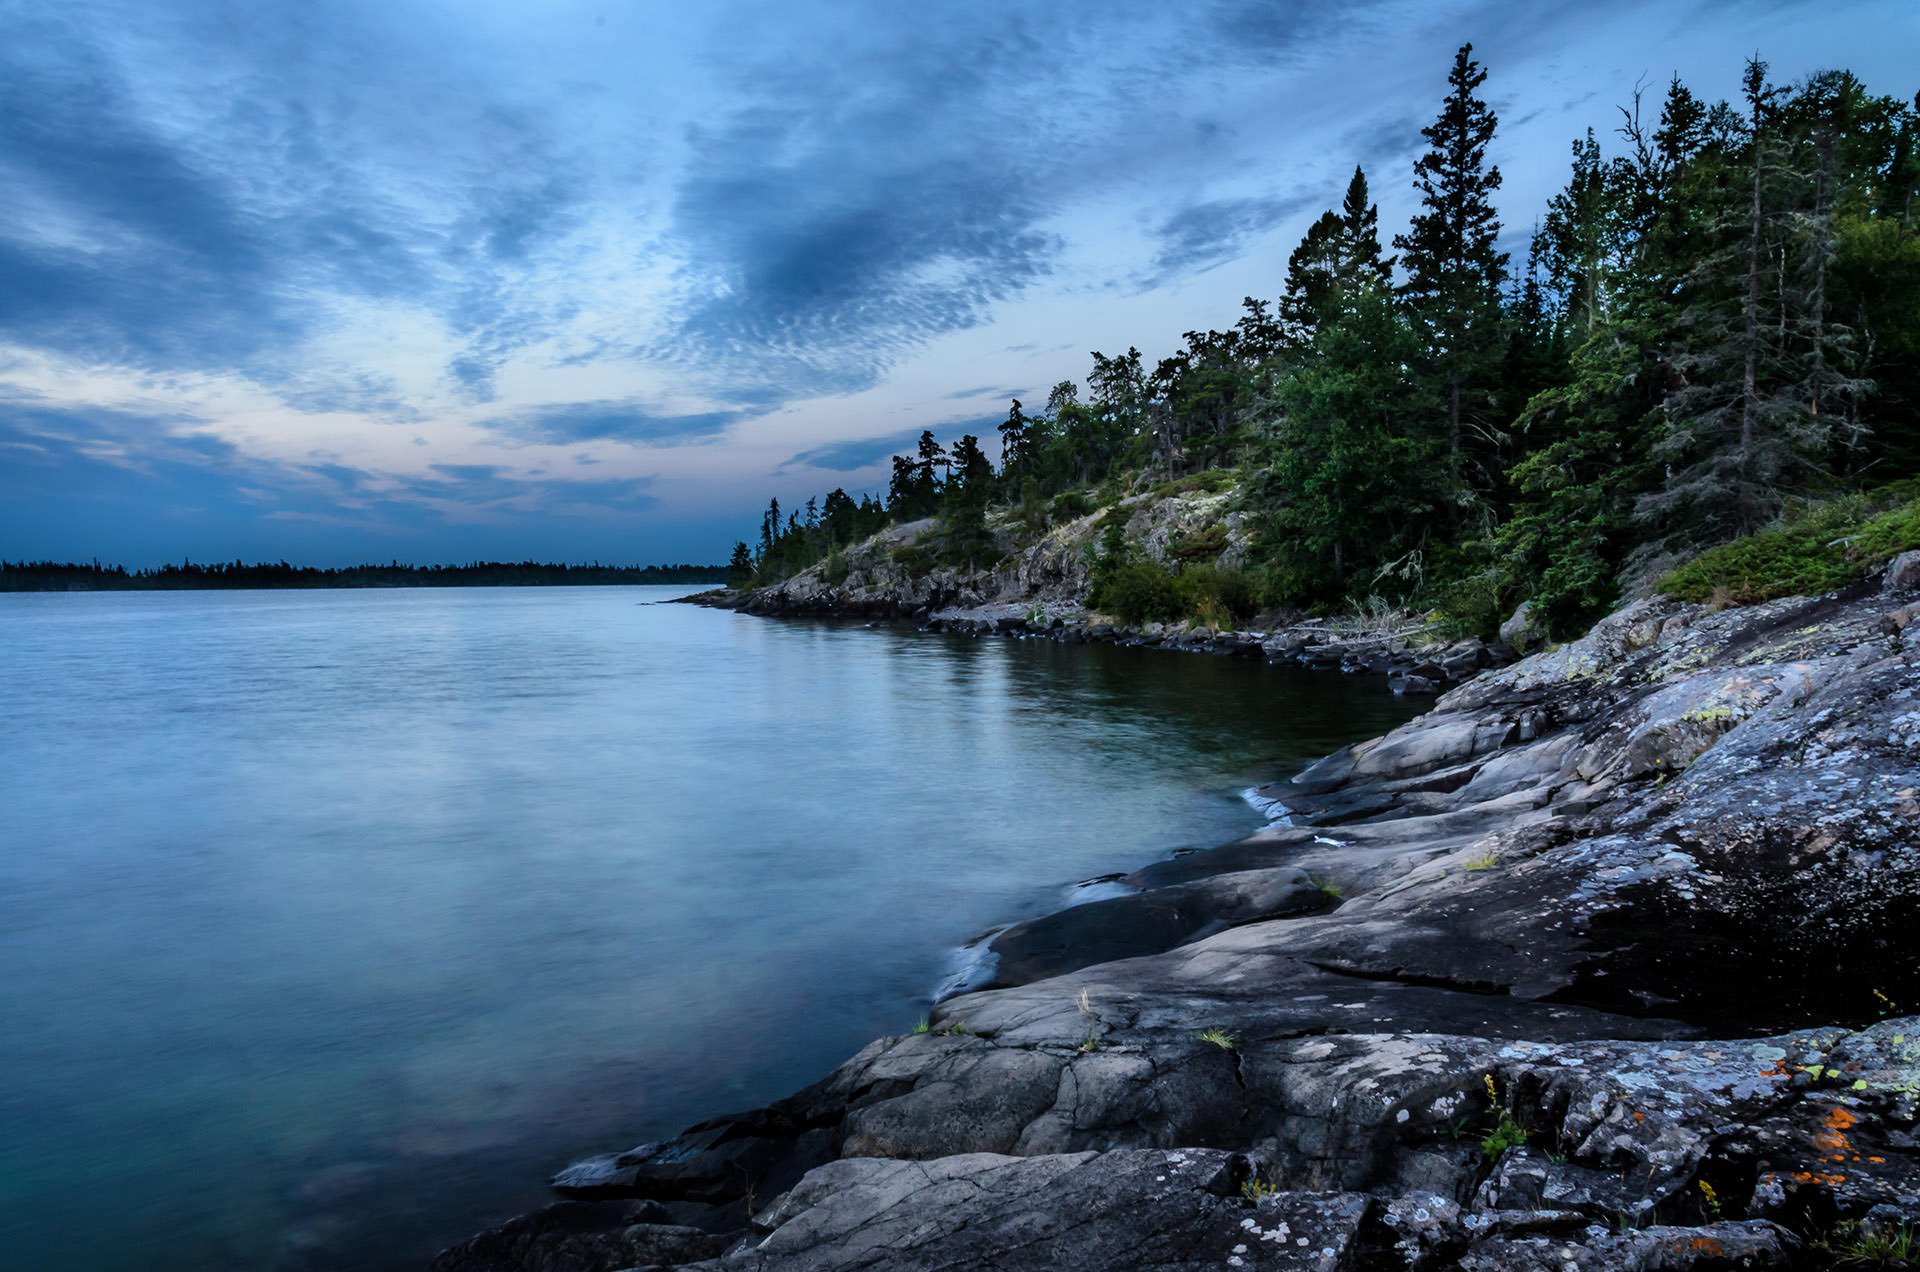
column 1622, row 978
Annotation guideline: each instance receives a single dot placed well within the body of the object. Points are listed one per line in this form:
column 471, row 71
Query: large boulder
column 1524, row 629
column 1903, row 573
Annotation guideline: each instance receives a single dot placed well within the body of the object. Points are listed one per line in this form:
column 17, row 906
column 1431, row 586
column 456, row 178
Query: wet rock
column 574, row 1236
column 1149, row 922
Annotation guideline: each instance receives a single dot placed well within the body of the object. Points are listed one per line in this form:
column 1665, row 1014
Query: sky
column 592, row 281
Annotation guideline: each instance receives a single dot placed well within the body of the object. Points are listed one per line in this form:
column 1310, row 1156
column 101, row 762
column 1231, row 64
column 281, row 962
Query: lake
column 332, row 922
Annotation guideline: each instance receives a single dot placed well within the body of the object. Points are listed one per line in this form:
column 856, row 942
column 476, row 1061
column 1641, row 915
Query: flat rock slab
column 1163, row 1209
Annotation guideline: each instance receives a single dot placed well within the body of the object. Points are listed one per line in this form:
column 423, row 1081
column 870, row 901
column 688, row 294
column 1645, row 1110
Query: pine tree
column 1454, row 270
column 932, row 455
column 1014, row 450
column 1347, row 489
column 1764, row 393
column 740, row 570
column 1341, row 251
column 964, row 504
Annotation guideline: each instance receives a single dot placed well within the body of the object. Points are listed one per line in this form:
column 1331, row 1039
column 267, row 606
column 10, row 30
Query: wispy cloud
column 628, row 421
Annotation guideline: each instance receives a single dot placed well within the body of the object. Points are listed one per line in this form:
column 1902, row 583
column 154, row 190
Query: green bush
column 1207, row 545
column 1140, row 592
column 1825, row 547
column 1069, row 506
column 1888, row 535
column 1219, row 597
column 835, row 570
column 1136, row 591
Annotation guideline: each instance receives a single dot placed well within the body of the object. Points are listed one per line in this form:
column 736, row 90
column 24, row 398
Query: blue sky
column 591, row 281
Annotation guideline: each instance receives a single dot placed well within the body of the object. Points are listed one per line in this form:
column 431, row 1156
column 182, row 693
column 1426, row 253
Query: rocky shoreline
column 1607, row 961
column 1405, row 652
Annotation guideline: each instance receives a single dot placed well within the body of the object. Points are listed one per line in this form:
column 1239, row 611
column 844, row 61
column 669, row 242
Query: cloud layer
column 293, row 280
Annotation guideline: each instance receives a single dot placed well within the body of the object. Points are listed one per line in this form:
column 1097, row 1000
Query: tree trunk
column 1750, row 336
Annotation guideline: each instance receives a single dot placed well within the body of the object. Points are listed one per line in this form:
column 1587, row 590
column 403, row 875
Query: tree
column 903, row 490
column 769, row 529
column 1454, row 270
column 932, row 455
column 740, row 570
column 1341, row 251
column 964, row 504
column 1015, row 451
column 1764, row 392
column 1347, row 489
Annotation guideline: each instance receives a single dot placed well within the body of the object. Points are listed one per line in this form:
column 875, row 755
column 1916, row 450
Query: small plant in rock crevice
column 1856, row 1244
column 1256, row 1188
column 1219, row 1038
column 1507, row 1131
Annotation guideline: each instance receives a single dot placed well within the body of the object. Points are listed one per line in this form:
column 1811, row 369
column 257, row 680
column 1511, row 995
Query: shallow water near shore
column 332, row 922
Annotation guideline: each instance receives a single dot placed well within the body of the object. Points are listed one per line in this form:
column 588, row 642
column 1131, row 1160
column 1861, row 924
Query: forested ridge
column 62, row 576
column 1714, row 337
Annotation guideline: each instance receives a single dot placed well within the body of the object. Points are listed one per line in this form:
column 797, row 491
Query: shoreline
column 1616, row 930
column 1413, row 666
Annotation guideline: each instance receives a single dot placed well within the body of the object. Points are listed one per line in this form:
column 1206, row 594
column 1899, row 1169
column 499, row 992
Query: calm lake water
column 331, row 923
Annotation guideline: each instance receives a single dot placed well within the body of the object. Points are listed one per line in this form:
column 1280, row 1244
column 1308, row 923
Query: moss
column 1210, row 482
column 1206, row 545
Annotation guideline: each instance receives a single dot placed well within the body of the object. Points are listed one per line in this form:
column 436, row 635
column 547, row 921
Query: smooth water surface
column 332, row 922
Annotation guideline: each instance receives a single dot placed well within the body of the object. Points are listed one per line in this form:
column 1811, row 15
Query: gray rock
column 1903, row 573
column 1092, row 1211
column 1523, row 630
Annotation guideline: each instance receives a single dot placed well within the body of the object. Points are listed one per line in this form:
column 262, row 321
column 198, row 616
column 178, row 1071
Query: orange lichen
column 1808, row 1177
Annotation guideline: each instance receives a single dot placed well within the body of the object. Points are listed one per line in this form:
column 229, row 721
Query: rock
column 1523, row 630
column 1087, row 1211
column 1149, row 922
column 1410, row 685
column 1903, row 573
column 576, row 1236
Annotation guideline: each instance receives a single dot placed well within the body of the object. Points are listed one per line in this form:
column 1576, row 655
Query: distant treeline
column 54, row 576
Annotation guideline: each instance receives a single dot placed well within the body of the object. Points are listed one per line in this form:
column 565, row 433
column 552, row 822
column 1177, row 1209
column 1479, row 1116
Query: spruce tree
column 1454, row 271
column 1013, row 440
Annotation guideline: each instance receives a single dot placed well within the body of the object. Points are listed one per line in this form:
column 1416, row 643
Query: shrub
column 1139, row 592
column 1069, row 506
column 1888, row 535
column 1823, row 548
column 1204, row 546
column 1220, row 597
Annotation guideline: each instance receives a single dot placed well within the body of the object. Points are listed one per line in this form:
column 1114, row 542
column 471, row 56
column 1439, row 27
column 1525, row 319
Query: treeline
column 1717, row 322
column 52, row 576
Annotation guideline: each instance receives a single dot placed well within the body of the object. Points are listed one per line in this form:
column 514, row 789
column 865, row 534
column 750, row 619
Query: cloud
column 851, row 456
column 623, row 421
column 852, row 209
column 987, row 391
column 186, row 192
column 862, row 452
column 1203, row 235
